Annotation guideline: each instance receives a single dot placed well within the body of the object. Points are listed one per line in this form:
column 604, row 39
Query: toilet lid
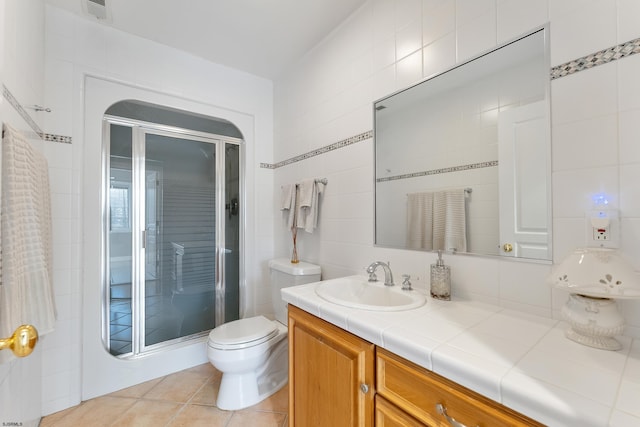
column 243, row 333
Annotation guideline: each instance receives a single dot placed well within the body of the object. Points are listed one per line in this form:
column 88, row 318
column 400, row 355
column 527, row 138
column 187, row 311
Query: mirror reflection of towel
column 437, row 220
column 420, row 221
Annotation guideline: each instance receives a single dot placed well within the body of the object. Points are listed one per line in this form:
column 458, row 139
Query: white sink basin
column 357, row 292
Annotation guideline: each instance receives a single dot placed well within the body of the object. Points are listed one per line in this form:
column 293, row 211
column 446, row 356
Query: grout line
column 188, row 402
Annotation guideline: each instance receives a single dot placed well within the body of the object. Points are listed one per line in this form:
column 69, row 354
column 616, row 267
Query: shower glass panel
column 182, row 230
column 119, row 241
column 232, row 232
column 173, row 242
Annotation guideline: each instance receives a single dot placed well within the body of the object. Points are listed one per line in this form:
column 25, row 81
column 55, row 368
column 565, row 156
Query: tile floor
column 186, row 398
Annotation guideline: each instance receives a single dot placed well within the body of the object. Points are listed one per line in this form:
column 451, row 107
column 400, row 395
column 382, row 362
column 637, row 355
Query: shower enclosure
column 171, row 218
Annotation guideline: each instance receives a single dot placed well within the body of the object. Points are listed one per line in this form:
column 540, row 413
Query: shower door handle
column 22, row 342
column 144, row 239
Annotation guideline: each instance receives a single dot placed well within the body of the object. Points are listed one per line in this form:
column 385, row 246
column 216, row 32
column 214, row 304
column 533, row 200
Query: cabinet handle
column 443, row 411
column 364, row 388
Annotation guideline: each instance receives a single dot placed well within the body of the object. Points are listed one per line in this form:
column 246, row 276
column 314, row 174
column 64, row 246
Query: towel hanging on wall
column 309, row 193
column 300, row 203
column 26, row 294
column 288, row 203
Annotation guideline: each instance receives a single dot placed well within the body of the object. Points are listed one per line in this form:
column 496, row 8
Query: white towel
column 305, row 192
column 314, row 208
column 26, row 294
column 304, row 199
column 288, row 203
column 449, row 221
column 420, row 221
column 437, row 221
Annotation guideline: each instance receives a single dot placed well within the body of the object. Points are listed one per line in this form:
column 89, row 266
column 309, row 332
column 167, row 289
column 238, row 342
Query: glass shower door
column 182, row 211
column 173, row 247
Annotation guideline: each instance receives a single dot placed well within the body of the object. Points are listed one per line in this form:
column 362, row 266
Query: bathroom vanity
column 450, row 363
column 331, row 374
column 335, row 376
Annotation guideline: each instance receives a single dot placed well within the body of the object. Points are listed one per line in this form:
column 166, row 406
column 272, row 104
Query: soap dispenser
column 440, row 280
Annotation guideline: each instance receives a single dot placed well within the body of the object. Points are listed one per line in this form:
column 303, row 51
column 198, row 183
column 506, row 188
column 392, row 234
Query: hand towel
column 314, row 209
column 288, row 203
column 305, row 192
column 304, row 202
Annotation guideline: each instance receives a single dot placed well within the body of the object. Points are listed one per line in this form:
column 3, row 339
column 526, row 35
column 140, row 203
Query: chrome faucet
column 388, row 276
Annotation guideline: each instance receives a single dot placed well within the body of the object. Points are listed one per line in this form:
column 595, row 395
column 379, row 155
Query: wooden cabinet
column 430, row 399
column 331, row 374
column 331, row 383
column 389, row 415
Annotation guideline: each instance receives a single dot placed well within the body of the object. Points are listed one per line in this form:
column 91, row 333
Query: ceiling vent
column 97, row 9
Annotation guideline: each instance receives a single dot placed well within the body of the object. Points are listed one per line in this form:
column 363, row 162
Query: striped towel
column 437, row 220
column 449, row 221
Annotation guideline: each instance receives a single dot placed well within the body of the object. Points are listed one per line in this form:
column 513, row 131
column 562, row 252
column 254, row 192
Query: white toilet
column 252, row 353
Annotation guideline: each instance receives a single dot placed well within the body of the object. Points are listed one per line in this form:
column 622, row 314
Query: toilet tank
column 285, row 274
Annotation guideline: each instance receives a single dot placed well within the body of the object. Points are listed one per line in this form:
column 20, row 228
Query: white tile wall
column 75, row 47
column 595, row 140
column 22, row 72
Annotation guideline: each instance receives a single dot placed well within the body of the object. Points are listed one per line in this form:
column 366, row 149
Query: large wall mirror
column 462, row 159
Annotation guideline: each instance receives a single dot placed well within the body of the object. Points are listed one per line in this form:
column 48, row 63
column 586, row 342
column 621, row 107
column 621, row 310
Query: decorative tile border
column 340, row 144
column 27, row 118
column 57, row 138
column 267, row 166
column 586, row 62
column 599, row 58
column 460, row 168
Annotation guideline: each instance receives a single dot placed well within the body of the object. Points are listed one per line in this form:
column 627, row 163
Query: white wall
column 76, row 47
column 21, row 72
column 390, row 44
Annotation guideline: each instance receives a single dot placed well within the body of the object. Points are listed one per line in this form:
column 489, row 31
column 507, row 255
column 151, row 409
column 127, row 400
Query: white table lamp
column 595, row 278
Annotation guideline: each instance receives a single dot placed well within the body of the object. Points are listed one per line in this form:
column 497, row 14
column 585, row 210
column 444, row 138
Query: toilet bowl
column 252, row 353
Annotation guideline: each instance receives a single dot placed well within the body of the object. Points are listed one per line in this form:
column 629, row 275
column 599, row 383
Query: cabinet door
column 389, row 415
column 330, row 374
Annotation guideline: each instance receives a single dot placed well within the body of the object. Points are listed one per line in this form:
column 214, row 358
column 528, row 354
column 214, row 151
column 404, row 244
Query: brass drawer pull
column 443, row 411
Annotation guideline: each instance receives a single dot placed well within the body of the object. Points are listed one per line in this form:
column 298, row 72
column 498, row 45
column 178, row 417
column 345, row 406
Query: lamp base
column 594, row 321
column 604, row 343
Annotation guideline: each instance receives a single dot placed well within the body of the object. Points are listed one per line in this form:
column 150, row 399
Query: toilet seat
column 242, row 333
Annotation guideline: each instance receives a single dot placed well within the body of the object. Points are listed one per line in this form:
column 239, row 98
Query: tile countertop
column 520, row 360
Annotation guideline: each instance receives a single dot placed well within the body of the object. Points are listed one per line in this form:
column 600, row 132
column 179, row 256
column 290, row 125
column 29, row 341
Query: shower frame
column 139, row 130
